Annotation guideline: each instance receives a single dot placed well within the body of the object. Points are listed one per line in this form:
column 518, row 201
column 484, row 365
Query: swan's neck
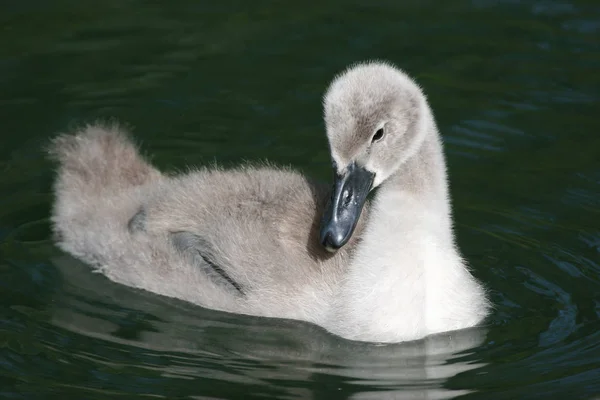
column 406, row 278
column 418, row 192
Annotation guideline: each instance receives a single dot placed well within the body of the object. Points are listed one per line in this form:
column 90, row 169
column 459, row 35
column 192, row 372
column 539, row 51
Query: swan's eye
column 378, row 135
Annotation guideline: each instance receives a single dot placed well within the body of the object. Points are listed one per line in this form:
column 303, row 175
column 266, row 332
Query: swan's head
column 374, row 116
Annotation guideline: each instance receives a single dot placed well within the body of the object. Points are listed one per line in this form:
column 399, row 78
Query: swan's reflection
column 302, row 360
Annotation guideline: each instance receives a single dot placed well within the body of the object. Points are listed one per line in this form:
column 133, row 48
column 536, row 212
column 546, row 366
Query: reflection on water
column 515, row 88
column 254, row 351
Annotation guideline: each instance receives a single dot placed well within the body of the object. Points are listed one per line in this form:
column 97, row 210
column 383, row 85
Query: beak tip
column 331, row 249
column 332, row 241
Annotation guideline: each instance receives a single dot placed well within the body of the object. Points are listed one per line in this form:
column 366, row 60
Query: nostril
column 347, row 197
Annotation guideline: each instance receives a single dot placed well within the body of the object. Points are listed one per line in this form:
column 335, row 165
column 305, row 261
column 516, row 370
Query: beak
column 343, row 210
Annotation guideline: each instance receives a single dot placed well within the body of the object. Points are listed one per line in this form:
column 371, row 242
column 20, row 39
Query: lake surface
column 515, row 86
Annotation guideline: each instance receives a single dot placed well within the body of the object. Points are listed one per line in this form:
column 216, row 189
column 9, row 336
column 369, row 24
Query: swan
column 268, row 241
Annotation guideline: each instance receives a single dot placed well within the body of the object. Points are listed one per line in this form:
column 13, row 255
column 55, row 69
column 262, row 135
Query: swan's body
column 249, row 240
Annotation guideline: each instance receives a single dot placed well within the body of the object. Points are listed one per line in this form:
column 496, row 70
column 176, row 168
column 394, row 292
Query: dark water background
column 515, row 86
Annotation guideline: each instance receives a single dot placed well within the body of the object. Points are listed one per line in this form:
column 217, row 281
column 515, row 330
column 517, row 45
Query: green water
column 515, row 86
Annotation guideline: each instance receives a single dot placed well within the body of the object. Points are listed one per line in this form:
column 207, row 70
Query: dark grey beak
column 343, row 210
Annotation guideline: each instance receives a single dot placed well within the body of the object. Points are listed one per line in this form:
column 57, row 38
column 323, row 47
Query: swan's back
column 242, row 240
column 262, row 225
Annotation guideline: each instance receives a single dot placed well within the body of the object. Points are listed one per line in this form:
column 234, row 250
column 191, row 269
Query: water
column 515, row 86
